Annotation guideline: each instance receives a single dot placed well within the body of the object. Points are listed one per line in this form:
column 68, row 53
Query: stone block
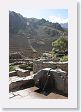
column 63, row 66
column 52, row 79
column 20, row 85
column 12, row 73
column 22, row 73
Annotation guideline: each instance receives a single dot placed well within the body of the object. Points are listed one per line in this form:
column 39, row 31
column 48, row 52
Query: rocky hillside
column 64, row 25
column 28, row 33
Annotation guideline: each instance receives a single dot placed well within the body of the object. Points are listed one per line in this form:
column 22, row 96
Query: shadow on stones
column 47, row 92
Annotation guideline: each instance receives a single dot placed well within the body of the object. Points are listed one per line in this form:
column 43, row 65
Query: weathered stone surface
column 66, row 85
column 63, row 66
column 38, row 65
column 50, row 79
column 22, row 84
column 22, row 73
column 41, row 64
column 61, row 80
column 13, row 73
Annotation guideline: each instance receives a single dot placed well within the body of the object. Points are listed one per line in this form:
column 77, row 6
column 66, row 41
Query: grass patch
column 64, row 59
column 11, row 68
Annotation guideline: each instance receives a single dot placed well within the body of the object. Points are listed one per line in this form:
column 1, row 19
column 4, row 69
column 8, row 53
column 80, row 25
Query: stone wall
column 66, row 86
column 20, row 85
column 62, row 65
column 12, row 73
column 38, row 65
column 19, row 73
column 22, row 73
column 61, row 84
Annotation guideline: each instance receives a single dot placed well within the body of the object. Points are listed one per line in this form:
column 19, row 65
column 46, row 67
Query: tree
column 60, row 45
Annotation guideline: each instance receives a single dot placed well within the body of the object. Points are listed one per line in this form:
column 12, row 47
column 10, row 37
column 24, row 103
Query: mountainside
column 31, row 33
column 64, row 25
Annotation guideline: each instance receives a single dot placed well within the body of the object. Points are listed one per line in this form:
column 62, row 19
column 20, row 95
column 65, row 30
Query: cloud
column 55, row 19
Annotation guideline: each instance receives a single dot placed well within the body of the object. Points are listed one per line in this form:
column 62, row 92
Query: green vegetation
column 11, row 68
column 27, row 66
column 60, row 49
column 64, row 58
column 60, row 45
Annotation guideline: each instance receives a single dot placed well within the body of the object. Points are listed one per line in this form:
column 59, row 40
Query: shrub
column 60, row 45
column 64, row 58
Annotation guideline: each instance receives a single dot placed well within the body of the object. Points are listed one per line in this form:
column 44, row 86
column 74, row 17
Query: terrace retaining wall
column 38, row 65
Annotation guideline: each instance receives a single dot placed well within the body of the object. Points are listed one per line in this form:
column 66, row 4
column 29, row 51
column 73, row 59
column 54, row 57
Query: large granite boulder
column 52, row 79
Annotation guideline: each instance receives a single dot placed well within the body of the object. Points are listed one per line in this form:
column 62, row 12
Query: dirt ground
column 30, row 93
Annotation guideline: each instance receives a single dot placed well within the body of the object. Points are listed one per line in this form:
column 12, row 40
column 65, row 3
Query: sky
column 53, row 15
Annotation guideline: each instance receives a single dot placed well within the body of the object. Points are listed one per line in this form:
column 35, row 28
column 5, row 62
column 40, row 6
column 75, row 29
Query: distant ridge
column 64, row 25
column 39, row 32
